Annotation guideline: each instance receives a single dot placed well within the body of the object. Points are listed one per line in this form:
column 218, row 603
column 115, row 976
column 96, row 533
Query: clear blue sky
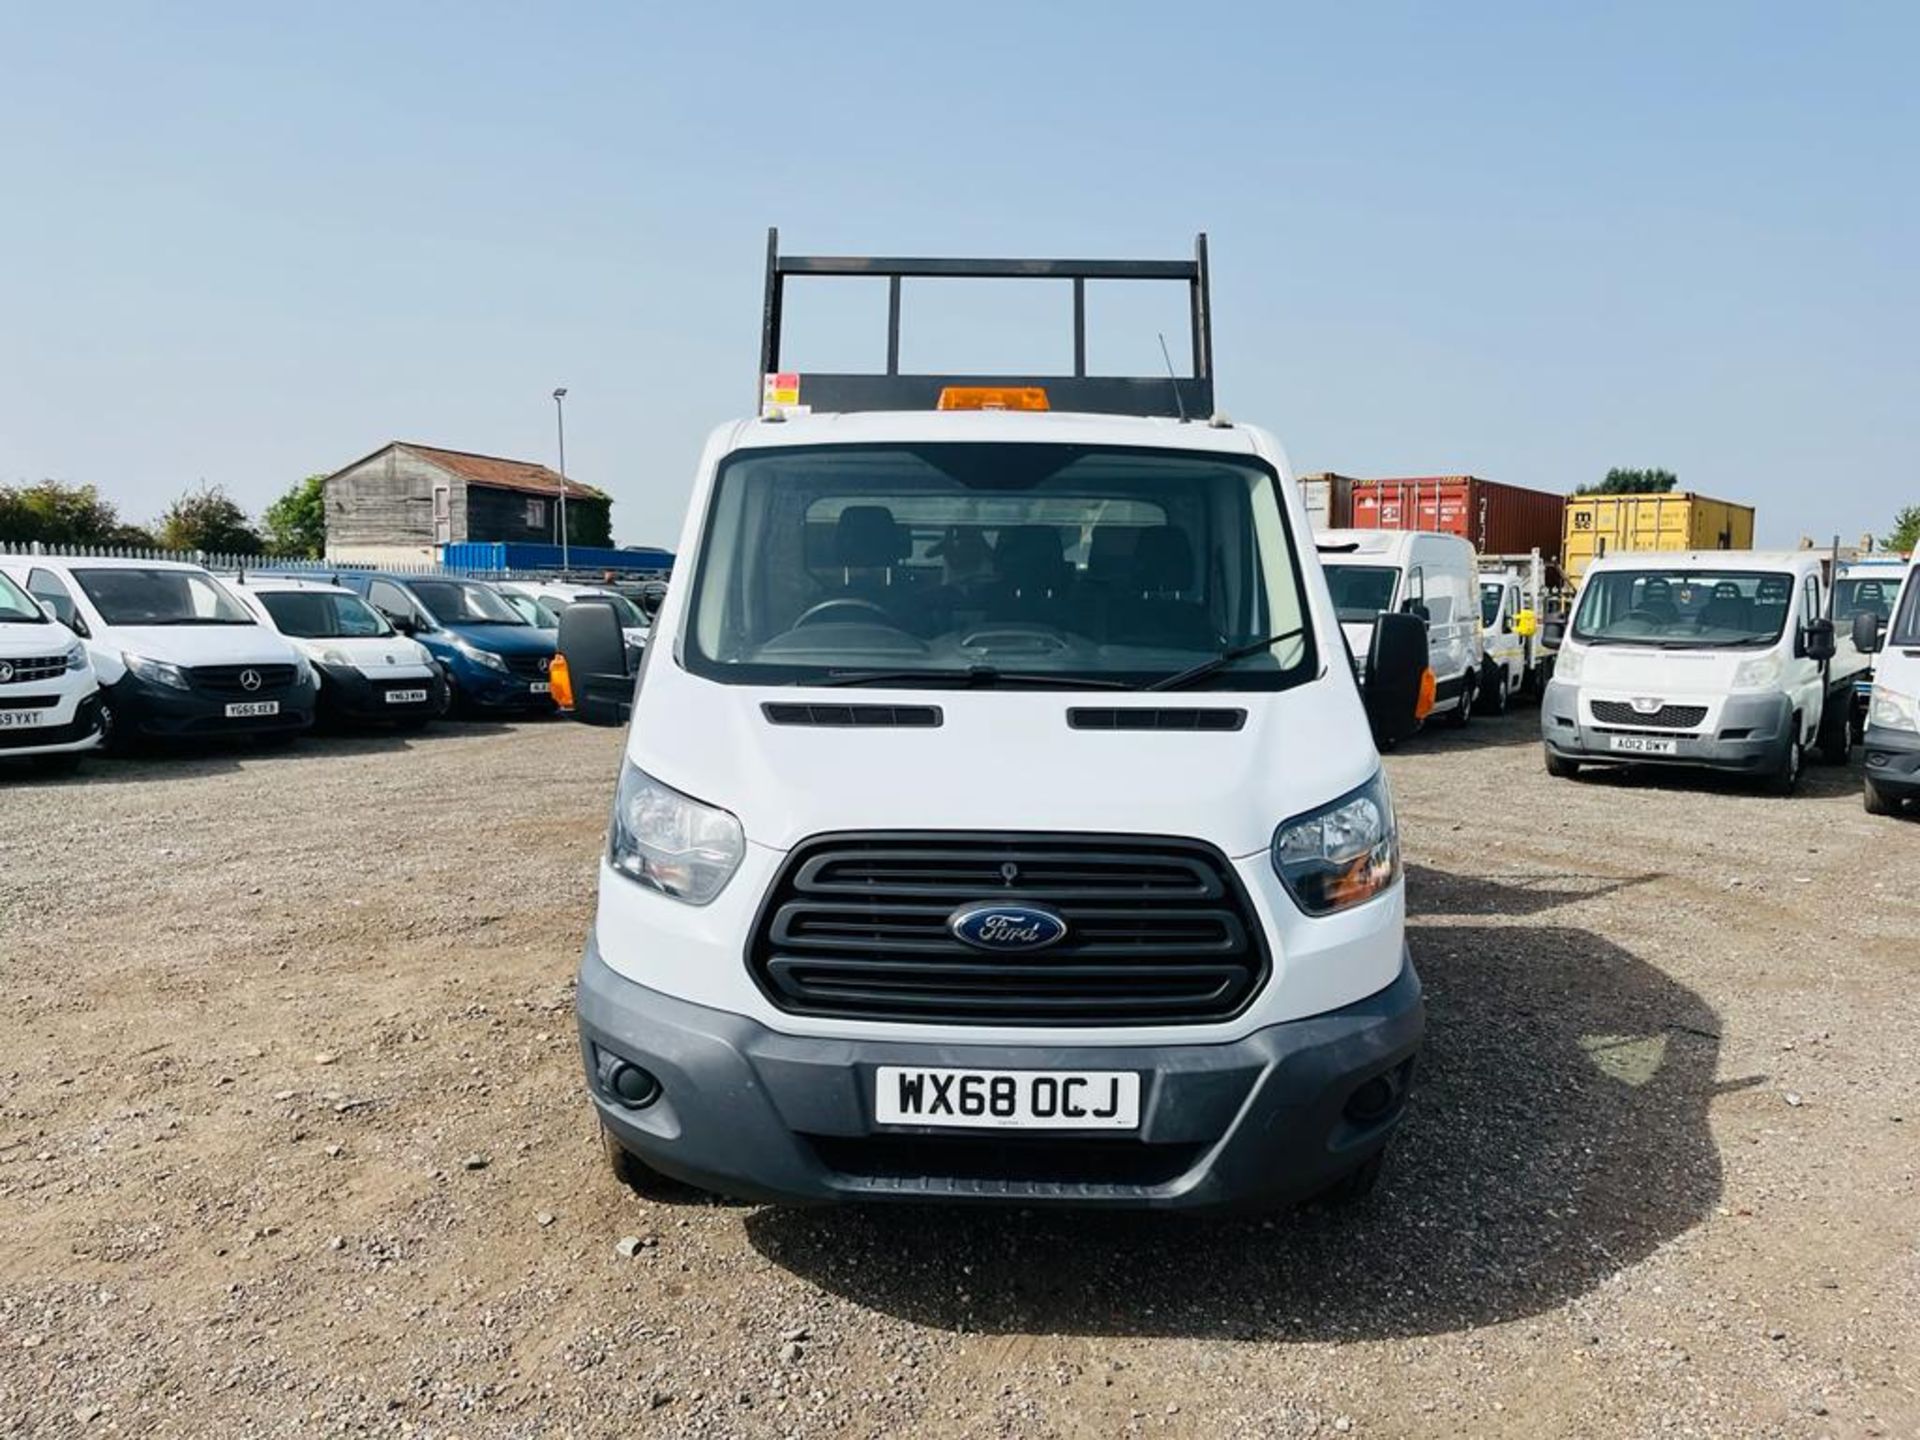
column 241, row 243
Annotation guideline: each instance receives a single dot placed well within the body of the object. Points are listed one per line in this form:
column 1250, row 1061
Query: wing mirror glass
column 1866, row 632
column 599, row 672
column 1396, row 669
column 1816, row 641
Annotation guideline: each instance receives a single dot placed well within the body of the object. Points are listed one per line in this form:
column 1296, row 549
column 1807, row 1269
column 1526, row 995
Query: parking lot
column 292, row 1139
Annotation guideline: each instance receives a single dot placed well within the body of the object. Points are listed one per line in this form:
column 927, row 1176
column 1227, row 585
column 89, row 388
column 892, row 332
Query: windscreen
column 323, row 615
column 160, row 597
column 946, row 562
column 630, row 616
column 1906, row 624
column 1873, row 594
column 464, row 602
column 541, row 614
column 1490, row 603
column 16, row 606
column 1681, row 609
column 1360, row 592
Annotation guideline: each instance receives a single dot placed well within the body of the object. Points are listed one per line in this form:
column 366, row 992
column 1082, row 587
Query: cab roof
column 1003, row 427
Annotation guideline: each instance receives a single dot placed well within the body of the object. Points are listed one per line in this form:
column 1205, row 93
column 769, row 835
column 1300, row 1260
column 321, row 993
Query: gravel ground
column 292, row 1141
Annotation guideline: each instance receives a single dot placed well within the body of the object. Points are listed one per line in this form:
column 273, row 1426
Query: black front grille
column 227, row 679
column 1005, row 1160
column 1667, row 717
column 31, row 668
column 529, row 667
column 1133, row 717
column 922, row 717
column 1159, row 931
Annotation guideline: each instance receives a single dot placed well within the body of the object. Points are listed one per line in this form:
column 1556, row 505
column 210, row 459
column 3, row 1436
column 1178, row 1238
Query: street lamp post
column 560, row 422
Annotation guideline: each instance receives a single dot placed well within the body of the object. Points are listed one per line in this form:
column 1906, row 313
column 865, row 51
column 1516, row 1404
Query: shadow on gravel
column 1817, row 781
column 160, row 760
column 1519, row 726
column 1558, row 1134
column 1439, row 892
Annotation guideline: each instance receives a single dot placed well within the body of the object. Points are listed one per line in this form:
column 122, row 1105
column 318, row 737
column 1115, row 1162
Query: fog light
column 1378, row 1097
column 626, row 1082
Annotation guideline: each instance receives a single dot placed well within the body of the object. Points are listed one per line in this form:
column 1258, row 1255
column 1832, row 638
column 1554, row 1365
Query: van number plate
column 1644, row 745
column 1007, row 1099
column 21, row 719
column 241, row 709
column 405, row 697
column 540, row 687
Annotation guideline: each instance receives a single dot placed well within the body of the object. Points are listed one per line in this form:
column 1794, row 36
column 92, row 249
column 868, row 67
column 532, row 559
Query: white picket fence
column 222, row 564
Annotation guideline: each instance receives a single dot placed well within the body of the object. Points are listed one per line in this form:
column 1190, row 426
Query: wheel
column 1836, row 736
column 1458, row 717
column 1785, row 778
column 1878, row 801
column 57, row 764
column 641, row 1178
column 1561, row 768
column 1356, row 1185
column 1494, row 693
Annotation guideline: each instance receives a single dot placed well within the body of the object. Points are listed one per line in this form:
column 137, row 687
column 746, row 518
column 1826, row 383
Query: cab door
column 1805, row 677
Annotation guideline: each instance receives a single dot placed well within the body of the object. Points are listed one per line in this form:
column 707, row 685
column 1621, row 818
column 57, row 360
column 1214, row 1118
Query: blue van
column 495, row 661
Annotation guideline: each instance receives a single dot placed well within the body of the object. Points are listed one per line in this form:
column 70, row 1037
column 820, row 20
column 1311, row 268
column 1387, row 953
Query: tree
column 1632, row 482
column 56, row 514
column 297, row 522
column 208, row 519
column 1906, row 531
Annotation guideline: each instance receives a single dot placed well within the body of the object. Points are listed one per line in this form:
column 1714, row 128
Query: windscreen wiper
column 1220, row 662
column 974, row 677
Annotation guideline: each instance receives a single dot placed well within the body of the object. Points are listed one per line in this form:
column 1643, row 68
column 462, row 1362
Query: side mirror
column 1816, row 640
column 1553, row 630
column 1417, row 609
column 1866, row 632
column 403, row 623
column 75, row 622
column 1396, row 665
column 597, row 669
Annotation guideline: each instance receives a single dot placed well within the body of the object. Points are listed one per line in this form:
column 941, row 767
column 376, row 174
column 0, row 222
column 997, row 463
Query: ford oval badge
column 1006, row 927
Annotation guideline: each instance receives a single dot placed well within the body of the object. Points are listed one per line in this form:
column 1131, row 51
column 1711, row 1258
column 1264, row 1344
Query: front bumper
column 166, row 713
column 768, row 1116
column 84, row 730
column 348, row 693
column 1749, row 736
column 1893, row 762
column 483, row 687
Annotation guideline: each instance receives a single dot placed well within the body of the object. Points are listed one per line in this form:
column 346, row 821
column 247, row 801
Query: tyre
column 1878, row 802
column 1836, row 735
column 1356, row 1185
column 1458, row 717
column 1494, row 694
column 641, row 1178
column 1560, row 768
column 1785, row 778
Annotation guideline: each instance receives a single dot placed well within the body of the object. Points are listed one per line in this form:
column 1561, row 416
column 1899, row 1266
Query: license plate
column 405, row 697
column 1644, row 745
column 540, row 687
column 1007, row 1099
column 242, row 709
column 21, row 719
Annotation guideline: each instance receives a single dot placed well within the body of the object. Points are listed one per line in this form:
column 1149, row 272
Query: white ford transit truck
column 998, row 818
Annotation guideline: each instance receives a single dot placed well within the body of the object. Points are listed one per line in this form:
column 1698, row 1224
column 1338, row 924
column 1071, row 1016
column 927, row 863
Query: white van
column 1892, row 736
column 1866, row 584
column 50, row 707
column 998, row 819
column 1415, row 572
column 365, row 668
column 1718, row 658
column 554, row 596
column 177, row 655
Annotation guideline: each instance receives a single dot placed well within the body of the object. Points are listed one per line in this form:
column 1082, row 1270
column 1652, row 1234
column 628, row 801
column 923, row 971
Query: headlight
column 1760, row 673
column 670, row 843
column 76, row 656
column 480, row 657
column 1890, row 710
column 1341, row 854
column 157, row 672
column 1569, row 663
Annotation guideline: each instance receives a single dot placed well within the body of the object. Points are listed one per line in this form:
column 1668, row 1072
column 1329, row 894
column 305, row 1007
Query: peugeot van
column 50, row 706
column 998, row 818
column 367, row 670
column 492, row 658
column 178, row 656
column 1892, row 736
column 1723, row 659
column 1424, row 573
column 1866, row 584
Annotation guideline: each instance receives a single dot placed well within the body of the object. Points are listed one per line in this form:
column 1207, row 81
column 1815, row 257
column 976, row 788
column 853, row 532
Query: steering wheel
column 1646, row 617
column 818, row 614
column 1044, row 641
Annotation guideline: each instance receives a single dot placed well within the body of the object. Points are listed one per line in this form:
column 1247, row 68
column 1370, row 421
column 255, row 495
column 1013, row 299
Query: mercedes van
column 493, row 660
column 178, row 656
column 1424, row 573
column 998, row 818
column 1892, row 736
column 50, row 707
column 367, row 670
column 1723, row 659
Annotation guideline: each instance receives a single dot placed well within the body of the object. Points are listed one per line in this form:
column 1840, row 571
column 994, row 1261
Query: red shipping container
column 1495, row 519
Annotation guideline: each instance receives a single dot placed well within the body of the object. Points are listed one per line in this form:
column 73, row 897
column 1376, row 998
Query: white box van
column 1719, row 658
column 177, row 655
column 1892, row 736
column 998, row 819
column 50, row 708
column 366, row 670
column 1416, row 572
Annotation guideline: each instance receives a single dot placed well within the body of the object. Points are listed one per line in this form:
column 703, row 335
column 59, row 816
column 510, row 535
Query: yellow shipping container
column 1608, row 524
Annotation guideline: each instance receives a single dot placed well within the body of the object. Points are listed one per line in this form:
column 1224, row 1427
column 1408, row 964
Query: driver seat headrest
column 1163, row 559
column 867, row 537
